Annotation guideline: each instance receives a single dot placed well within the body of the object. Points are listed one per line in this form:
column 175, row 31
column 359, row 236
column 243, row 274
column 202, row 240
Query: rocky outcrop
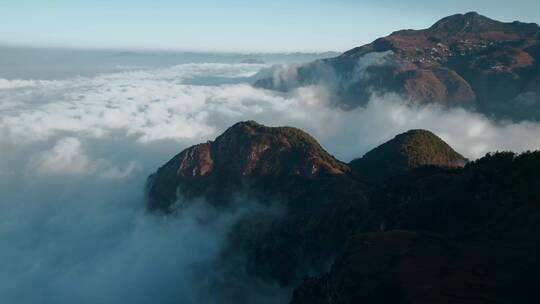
column 404, row 153
column 462, row 60
column 244, row 154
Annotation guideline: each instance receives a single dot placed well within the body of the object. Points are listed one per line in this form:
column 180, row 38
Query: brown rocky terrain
column 240, row 156
column 437, row 231
column 464, row 60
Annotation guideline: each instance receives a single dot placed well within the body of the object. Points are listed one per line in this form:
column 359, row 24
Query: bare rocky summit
column 244, row 153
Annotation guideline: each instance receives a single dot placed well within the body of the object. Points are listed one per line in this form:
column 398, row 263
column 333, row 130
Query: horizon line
column 161, row 50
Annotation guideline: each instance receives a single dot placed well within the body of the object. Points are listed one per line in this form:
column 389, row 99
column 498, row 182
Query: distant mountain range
column 465, row 60
column 412, row 221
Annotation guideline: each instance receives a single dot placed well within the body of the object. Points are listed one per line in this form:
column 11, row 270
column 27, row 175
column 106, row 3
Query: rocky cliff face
column 462, row 60
column 244, row 154
column 437, row 231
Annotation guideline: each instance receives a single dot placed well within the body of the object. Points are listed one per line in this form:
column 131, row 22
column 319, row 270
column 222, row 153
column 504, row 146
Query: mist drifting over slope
column 75, row 153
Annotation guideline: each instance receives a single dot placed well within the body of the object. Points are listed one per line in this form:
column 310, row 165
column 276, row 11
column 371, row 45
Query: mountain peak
column 406, row 151
column 245, row 152
column 246, row 125
column 471, row 21
column 460, row 61
column 255, row 149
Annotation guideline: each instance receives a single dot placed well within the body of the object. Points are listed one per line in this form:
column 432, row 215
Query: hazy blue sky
column 254, row 25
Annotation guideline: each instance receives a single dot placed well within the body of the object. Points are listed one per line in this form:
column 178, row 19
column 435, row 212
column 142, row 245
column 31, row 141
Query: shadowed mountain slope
column 467, row 236
column 438, row 231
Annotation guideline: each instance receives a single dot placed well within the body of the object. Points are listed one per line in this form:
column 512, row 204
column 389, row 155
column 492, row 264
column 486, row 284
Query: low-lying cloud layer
column 75, row 153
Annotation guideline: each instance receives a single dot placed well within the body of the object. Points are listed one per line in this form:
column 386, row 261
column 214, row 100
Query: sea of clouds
column 75, row 154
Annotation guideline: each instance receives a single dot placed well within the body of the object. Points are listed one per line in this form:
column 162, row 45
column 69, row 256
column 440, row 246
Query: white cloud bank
column 156, row 105
column 74, row 155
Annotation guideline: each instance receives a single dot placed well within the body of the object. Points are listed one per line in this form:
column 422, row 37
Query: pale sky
column 254, row 25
